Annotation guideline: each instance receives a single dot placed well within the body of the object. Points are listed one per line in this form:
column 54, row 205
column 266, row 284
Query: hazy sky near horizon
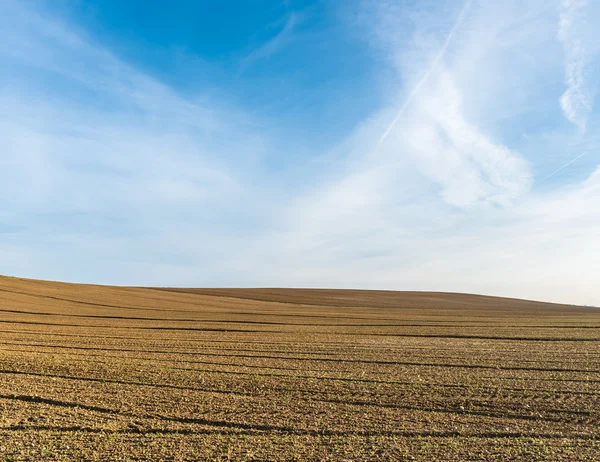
column 392, row 144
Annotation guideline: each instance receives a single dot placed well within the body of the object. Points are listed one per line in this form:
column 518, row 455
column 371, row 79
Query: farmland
column 108, row 373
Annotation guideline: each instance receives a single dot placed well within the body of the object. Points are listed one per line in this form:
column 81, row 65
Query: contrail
column 421, row 82
column 564, row 166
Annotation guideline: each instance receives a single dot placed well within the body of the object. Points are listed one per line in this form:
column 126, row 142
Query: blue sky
column 418, row 145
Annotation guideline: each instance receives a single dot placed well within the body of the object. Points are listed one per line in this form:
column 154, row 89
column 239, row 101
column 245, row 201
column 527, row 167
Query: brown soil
column 122, row 373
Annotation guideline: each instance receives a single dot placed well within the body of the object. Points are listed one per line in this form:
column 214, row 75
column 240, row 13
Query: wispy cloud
column 445, row 203
column 466, row 163
column 432, row 127
column 577, row 32
column 118, row 149
column 108, row 175
column 436, row 61
column 274, row 44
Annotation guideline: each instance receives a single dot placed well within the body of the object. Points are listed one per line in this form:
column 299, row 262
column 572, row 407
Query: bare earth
column 106, row 373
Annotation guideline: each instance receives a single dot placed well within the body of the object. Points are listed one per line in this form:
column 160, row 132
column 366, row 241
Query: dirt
column 124, row 373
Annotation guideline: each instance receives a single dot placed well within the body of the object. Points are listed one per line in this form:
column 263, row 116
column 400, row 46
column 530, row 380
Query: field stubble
column 107, row 373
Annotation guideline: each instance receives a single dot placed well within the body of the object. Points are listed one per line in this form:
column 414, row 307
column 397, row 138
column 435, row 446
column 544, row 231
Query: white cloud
column 276, row 43
column 442, row 204
column 135, row 184
column 128, row 165
column 578, row 34
column 457, row 155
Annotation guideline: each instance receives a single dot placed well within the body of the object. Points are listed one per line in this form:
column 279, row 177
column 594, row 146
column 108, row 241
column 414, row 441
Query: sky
column 441, row 145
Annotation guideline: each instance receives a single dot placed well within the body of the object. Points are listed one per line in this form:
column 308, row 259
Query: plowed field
column 109, row 373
